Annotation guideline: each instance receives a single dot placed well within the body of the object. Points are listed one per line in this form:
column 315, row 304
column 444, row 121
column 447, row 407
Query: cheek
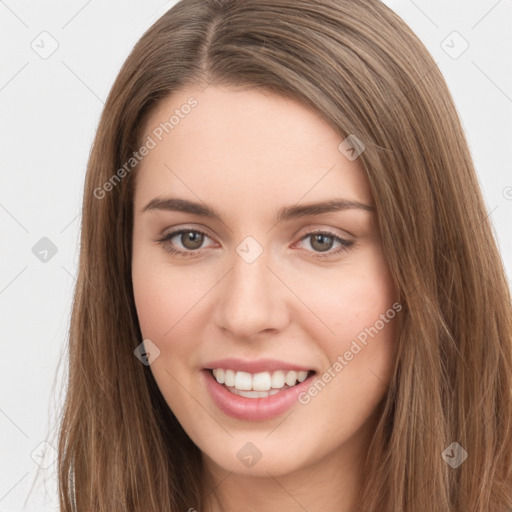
column 356, row 304
column 173, row 305
column 163, row 294
column 351, row 298
column 165, row 311
column 155, row 305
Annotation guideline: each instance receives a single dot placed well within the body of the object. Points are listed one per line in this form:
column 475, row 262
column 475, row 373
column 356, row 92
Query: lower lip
column 253, row 409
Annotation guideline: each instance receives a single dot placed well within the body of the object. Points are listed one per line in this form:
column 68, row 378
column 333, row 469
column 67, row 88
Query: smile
column 258, row 385
column 255, row 390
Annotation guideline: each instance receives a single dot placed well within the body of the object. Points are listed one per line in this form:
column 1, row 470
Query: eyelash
column 344, row 247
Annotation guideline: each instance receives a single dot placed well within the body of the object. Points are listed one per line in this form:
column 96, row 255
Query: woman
column 289, row 295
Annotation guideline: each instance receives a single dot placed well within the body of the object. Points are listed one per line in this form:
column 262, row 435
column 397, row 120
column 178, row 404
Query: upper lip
column 255, row 365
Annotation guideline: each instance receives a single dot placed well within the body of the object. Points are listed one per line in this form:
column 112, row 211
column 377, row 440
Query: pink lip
column 256, row 366
column 253, row 409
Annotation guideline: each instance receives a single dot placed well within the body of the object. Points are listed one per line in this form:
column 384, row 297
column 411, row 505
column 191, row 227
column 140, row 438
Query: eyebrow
column 284, row 214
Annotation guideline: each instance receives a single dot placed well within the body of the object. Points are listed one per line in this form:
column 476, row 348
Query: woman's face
column 289, row 305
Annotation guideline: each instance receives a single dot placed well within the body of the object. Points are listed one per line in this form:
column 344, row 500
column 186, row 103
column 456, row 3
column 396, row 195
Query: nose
column 251, row 300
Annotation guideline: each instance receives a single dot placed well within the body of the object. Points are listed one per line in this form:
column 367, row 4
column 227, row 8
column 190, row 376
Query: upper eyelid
column 168, row 235
column 172, row 230
column 307, row 231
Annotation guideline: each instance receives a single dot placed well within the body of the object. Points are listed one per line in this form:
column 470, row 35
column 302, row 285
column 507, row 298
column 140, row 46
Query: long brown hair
column 363, row 70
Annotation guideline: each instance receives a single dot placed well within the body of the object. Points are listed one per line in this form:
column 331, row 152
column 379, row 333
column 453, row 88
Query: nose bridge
column 252, row 299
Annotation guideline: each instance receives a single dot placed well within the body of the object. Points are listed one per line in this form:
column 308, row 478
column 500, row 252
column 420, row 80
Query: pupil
column 323, row 246
column 193, row 237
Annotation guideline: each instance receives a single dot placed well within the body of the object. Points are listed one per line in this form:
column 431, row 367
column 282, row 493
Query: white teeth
column 229, row 378
column 261, row 381
column 301, row 376
column 291, row 378
column 219, row 375
column 260, row 384
column 254, row 394
column 243, row 381
column 278, row 379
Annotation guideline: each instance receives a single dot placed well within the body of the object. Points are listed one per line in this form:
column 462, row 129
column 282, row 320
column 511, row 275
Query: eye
column 190, row 239
column 322, row 241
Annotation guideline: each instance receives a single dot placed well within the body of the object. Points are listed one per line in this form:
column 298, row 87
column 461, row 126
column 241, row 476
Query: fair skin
column 247, row 154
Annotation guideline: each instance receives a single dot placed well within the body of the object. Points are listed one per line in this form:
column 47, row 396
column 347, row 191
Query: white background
column 50, row 110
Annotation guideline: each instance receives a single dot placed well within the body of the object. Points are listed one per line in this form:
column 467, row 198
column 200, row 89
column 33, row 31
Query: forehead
column 243, row 147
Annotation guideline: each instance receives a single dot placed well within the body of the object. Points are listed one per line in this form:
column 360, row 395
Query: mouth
column 257, row 396
column 259, row 385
